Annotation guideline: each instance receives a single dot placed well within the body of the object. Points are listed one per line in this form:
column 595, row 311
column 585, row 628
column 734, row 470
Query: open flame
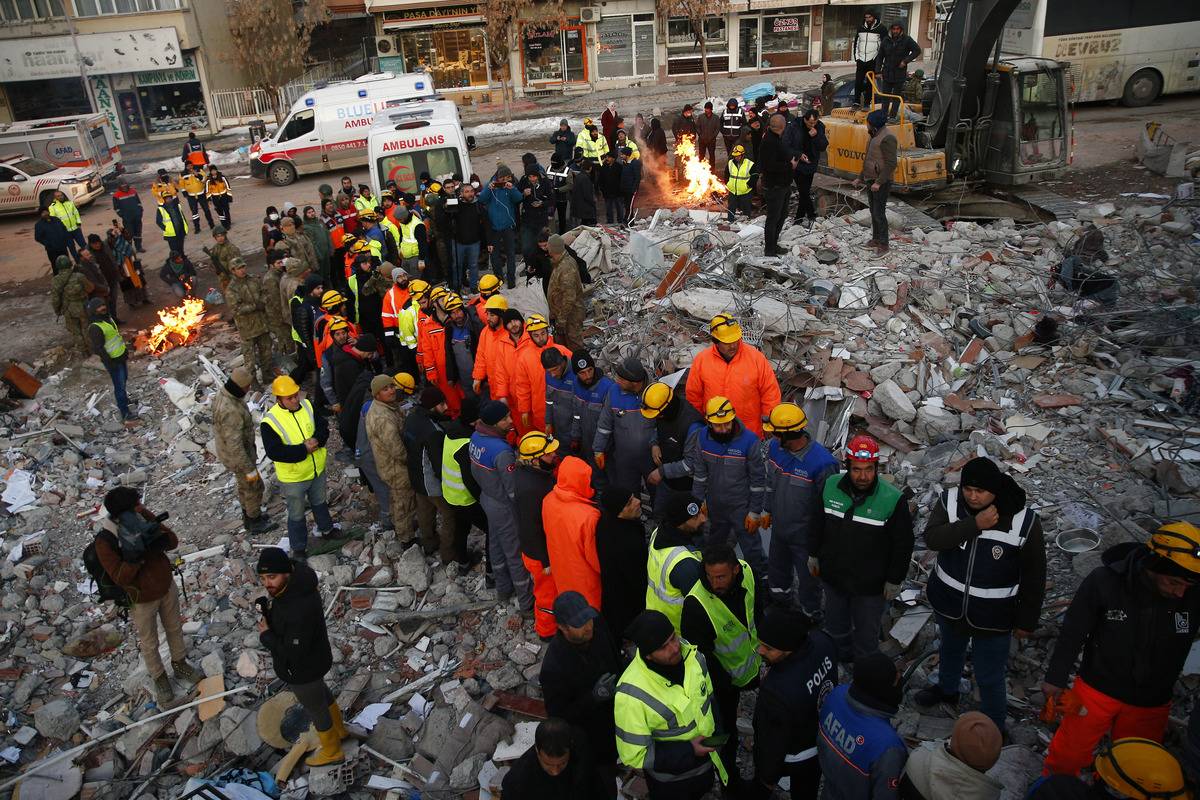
column 700, row 179
column 176, row 325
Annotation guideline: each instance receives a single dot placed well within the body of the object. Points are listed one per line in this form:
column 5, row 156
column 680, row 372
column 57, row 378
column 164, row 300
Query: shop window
column 57, row 97
column 404, row 168
column 680, row 34
column 842, row 21
column 301, row 123
column 100, row 8
column 26, row 10
column 784, row 41
column 174, row 107
column 543, row 53
column 454, row 58
column 625, row 46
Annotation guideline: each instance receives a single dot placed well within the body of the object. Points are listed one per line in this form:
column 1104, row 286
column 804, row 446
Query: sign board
column 391, row 64
column 785, row 25
column 185, row 73
column 99, row 53
column 106, row 103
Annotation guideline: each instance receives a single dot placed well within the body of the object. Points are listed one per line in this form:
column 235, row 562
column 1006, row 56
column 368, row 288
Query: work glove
column 601, row 458
column 764, row 521
column 751, row 523
column 253, row 476
column 814, row 566
column 890, row 590
column 605, row 688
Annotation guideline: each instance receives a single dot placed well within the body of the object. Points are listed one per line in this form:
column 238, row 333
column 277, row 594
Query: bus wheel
column 281, row 173
column 1142, row 88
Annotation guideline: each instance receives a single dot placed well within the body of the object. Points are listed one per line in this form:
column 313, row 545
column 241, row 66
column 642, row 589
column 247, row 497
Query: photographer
column 536, row 207
column 132, row 546
column 502, row 202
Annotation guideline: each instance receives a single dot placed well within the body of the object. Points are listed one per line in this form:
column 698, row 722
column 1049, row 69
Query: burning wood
column 176, row 326
column 700, row 179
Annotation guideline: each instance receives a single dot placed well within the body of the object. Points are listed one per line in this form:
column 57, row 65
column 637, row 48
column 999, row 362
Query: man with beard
column 537, row 457
column 676, row 422
column 435, row 521
column 592, row 388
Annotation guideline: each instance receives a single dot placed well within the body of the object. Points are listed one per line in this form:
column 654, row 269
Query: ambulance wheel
column 281, row 173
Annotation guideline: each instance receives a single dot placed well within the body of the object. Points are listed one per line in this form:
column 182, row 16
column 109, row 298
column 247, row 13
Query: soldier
column 385, row 426
column 69, row 291
column 278, row 316
column 249, row 303
column 564, row 296
column 301, row 245
column 222, row 255
column 233, row 432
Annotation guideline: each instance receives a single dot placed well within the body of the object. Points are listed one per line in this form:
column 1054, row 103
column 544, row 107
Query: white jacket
column 866, row 42
column 937, row 775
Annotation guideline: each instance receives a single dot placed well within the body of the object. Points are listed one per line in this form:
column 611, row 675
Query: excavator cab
column 1030, row 134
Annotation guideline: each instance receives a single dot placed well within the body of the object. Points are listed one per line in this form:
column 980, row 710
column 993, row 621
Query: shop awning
column 744, row 6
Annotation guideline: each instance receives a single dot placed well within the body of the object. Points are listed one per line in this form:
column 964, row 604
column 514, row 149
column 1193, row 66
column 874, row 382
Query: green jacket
column 248, row 301
column 318, row 234
column 274, row 311
column 862, row 542
column 69, row 293
column 221, row 255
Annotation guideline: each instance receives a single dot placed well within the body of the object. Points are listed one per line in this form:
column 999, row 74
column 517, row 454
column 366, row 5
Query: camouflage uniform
column 69, row 291
column 302, row 248
column 248, row 301
column 278, row 319
column 384, row 426
column 233, row 431
column 564, row 296
column 222, row 256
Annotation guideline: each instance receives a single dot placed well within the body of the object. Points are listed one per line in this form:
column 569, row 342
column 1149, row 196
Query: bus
column 1127, row 50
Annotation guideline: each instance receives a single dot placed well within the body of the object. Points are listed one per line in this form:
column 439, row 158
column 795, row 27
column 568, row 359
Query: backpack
column 105, row 587
column 585, row 275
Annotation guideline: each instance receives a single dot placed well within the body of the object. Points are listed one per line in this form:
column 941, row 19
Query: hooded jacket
column 295, row 634
column 147, row 580
column 894, row 51
column 568, row 674
column 656, row 138
column 568, row 511
column 867, row 41
column 527, row 382
column 932, row 773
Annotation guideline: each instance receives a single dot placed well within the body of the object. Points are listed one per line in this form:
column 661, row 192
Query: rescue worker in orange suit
column 436, row 358
column 537, row 458
column 1135, row 618
column 503, row 357
column 731, row 368
column 393, row 303
column 527, row 383
column 194, row 153
column 488, row 286
column 571, row 515
column 489, row 369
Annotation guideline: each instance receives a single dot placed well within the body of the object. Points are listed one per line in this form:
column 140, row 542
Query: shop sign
column 106, row 104
column 785, row 25
column 442, row 12
column 186, row 73
column 99, row 53
column 391, row 64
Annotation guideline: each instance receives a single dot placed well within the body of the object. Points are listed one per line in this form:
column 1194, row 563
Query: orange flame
column 700, row 179
column 176, row 325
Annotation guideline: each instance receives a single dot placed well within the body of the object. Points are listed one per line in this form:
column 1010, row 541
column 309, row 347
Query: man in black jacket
column 305, row 307
column 895, row 52
column 469, row 225
column 537, row 456
column 621, row 550
column 1135, row 618
column 805, row 139
column 292, row 629
column 557, row 767
column 536, row 207
column 50, row 233
column 581, row 190
column 684, row 127
column 435, row 521
column 775, row 165
column 609, row 178
column 675, row 422
column 353, row 367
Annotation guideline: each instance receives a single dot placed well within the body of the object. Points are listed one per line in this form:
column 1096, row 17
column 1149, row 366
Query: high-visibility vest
column 634, row 152
column 192, row 184
column 114, row 345
column 352, row 282
column 454, row 490
column 393, row 303
column 67, row 213
column 739, row 176
column 295, row 336
column 363, row 204
column 737, row 643
column 217, row 188
column 169, row 224
column 660, row 594
column 391, row 230
column 294, row 427
column 648, row 708
column 406, row 324
column 408, row 239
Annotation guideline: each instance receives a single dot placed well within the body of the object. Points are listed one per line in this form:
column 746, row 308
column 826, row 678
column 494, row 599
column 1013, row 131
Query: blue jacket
column 861, row 756
column 794, row 482
column 502, row 205
column 631, row 176
column 591, row 403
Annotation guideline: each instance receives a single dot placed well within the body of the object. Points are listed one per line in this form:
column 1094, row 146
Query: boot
column 932, row 696
column 185, row 671
column 330, row 751
column 257, row 524
column 164, row 695
column 351, row 731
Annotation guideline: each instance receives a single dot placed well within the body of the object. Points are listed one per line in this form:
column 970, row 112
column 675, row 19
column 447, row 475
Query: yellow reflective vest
column 737, row 642
column 660, row 594
column 114, row 345
column 168, row 224
column 363, row 204
column 454, row 490
column 406, row 325
column 294, row 427
column 67, row 213
column 409, row 248
column 592, row 148
column 739, row 176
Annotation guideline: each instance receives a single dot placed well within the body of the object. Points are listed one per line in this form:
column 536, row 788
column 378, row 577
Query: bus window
column 1041, row 124
column 406, row 168
column 301, row 123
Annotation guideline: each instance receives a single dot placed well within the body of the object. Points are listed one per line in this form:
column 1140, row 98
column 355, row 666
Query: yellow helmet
column 655, row 398
column 360, row 246
column 737, row 150
column 725, row 329
column 369, row 216
column 435, row 187
column 536, row 444
column 496, row 303
column 405, row 382
column 719, row 409
column 284, row 386
column 450, row 301
column 488, row 284
column 1141, row 769
column 1178, row 542
column 536, row 322
column 418, row 287
column 338, row 324
column 437, row 292
column 587, row 121
column 785, row 418
column 332, row 298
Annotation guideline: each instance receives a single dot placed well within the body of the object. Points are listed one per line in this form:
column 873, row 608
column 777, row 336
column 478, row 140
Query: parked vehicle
column 418, row 137
column 84, row 141
column 27, row 183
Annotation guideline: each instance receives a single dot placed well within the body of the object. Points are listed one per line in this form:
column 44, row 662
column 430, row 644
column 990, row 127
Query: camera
column 135, row 533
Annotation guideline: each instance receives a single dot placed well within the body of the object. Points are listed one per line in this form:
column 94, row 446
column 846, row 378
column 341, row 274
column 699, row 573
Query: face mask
column 475, row 184
column 273, row 217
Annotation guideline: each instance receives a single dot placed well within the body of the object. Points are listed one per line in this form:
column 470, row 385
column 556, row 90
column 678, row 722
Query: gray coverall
column 794, row 482
column 623, row 430
column 561, row 411
column 731, row 477
column 493, row 463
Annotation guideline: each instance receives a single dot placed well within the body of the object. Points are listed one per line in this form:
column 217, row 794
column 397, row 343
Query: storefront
column 553, row 55
column 625, row 46
column 774, row 39
column 447, row 42
column 683, row 49
column 843, row 18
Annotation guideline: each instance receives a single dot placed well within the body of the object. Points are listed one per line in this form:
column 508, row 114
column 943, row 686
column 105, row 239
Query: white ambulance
column 84, row 141
column 326, row 129
column 413, row 138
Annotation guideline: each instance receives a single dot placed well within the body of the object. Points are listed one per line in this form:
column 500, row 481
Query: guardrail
column 239, row 106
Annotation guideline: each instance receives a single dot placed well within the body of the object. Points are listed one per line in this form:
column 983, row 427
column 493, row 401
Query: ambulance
column 326, row 129
column 81, row 142
column 413, row 138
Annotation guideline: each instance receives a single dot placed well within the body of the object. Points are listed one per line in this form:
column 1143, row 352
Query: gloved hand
column 601, row 458
column 814, row 566
column 890, row 590
column 253, row 476
column 751, row 523
column 764, row 521
column 605, row 688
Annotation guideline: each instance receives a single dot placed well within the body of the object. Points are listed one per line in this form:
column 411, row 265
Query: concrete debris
column 57, row 720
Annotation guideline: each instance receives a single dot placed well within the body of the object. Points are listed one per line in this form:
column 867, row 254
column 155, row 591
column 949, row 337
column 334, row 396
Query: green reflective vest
column 363, row 205
column 660, row 594
column 169, row 224
column 406, row 325
column 114, row 345
column 454, row 490
column 874, row 511
column 648, row 709
column 293, row 427
column 739, row 176
column 408, row 239
column 737, row 643
column 352, row 282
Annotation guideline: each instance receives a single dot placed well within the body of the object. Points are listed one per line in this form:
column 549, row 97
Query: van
column 80, row 142
column 326, row 129
column 418, row 137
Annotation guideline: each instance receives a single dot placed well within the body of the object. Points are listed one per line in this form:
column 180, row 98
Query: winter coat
column 774, row 162
column 683, row 127
column 248, row 302
column 535, row 217
column 420, row 427
column 858, row 556
column 673, row 429
column 932, row 773
column 385, row 425
column 568, row 674
column 564, row 143
column 147, row 580
column 470, row 223
column 732, row 122
column 502, row 205
column 610, row 179
column 867, row 41
column 318, row 236
column 568, row 511
column 127, row 204
column 302, row 248
column 579, row 780
column 527, row 383
column 631, row 177
column 51, row 234
column 565, row 294
column 747, row 380
column 895, row 54
column 345, row 367
column 295, row 634
column 656, row 139
column 785, row 716
column 69, row 291
column 104, row 260
column 696, row 626
column 352, row 406
column 583, row 196
column 708, row 126
column 532, row 486
column 799, row 141
column 277, row 316
column 861, row 756
column 621, row 548
column 233, row 433
column 879, row 165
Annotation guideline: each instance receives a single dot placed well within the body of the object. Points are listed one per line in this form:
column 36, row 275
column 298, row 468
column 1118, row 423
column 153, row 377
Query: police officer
column 675, row 423
column 673, row 558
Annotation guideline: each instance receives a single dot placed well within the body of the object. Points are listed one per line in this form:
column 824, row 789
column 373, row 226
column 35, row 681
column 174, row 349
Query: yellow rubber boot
column 338, row 725
column 330, row 751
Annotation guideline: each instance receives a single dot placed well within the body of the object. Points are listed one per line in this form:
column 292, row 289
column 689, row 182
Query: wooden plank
column 522, row 704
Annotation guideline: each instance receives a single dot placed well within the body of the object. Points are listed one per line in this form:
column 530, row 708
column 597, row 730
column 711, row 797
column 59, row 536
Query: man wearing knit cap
column 861, row 756
column 435, row 520
column 592, row 388
column 664, row 714
column 493, row 465
column 878, row 167
column 564, row 295
column 233, row 434
column 622, row 441
column 385, row 425
column 956, row 770
column 673, row 557
column 801, row 671
column 560, row 411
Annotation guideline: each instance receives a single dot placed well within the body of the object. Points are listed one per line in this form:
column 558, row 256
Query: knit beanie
column 366, row 343
column 556, row 245
column 877, row 119
column 679, row 508
column 431, row 397
column 493, row 411
column 381, row 382
column 583, row 360
column 312, row 281
column 631, row 370
column 874, row 682
column 273, row 560
column 650, row 631
column 783, row 629
column 976, row 741
column 982, row 473
column 614, row 499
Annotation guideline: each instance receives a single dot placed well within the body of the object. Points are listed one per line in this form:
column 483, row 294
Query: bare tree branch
column 272, row 38
column 695, row 12
column 501, row 17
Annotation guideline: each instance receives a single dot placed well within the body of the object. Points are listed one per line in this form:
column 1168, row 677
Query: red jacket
column 570, row 517
column 747, row 380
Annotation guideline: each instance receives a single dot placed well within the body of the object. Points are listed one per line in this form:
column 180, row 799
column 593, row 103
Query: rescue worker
column 128, row 206
column 305, row 308
column 956, row 769
column 731, row 368
column 741, row 176
column 1134, row 768
column 63, row 209
column 106, row 341
column 797, row 467
column 364, row 203
column 406, row 326
column 435, row 520
column 394, row 302
column 732, row 123
column 861, row 756
column 164, row 189
column 293, row 436
column 216, row 191
column 194, row 154
column 729, row 477
column 570, row 512
column 664, row 714
column 673, row 558
column 559, row 409
column 622, row 442
column 221, row 255
column 1134, row 618
column 564, row 295
column 988, row 584
column 172, row 224
column 69, row 291
column 413, row 242
column 368, row 286
column 719, row 618
column 462, row 340
column 537, row 457
column 385, row 428
column 859, row 544
column 492, row 465
column 489, row 366
column 278, row 313
column 459, row 487
column 248, row 302
column 233, row 435
column 192, row 182
column 528, row 376
column 436, row 357
column 801, row 662
column 592, row 388
column 487, row 285
column 675, row 423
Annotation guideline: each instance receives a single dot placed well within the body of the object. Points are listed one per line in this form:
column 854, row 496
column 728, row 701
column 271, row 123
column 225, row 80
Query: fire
column 176, row 325
column 700, row 179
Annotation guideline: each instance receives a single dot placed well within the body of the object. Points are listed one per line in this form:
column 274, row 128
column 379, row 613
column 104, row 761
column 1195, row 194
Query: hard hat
column 725, row 329
column 348, row 238
column 369, row 216
column 405, row 382
column 785, row 418
column 1178, row 542
column 450, row 301
column 284, row 386
column 488, row 284
column 338, row 324
column 332, row 298
column 536, row 444
column 360, row 246
column 655, row 398
column 418, row 287
column 435, row 187
column 587, row 121
column 862, row 448
column 1141, row 769
column 536, row 322
column 738, row 150
column 496, row 303
column 437, row 292
column 718, row 409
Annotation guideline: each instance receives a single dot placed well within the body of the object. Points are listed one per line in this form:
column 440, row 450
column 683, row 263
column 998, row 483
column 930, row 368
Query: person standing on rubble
column 564, row 295
column 435, row 521
column 149, row 581
column 233, row 435
column 621, row 550
column 732, row 123
column 741, row 176
column 292, row 629
column 459, row 487
column 560, row 412
column 171, row 222
column 592, row 387
column 806, row 138
column 676, row 422
column 708, row 128
column 860, row 541
column 537, row 457
column 988, row 585
column 775, row 168
column 734, row 369
column 528, row 378
column 622, row 442
column 69, row 291
column 684, row 127
column 106, row 341
column 878, row 167
column 568, row 511
column 248, row 301
column 488, row 372
column 673, row 557
column 385, row 427
column 1135, row 618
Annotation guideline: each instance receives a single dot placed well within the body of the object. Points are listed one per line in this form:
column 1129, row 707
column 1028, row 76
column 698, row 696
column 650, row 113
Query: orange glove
column 764, row 521
column 601, row 458
column 751, row 523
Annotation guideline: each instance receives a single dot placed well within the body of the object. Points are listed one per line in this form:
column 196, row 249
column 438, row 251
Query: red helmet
column 862, row 448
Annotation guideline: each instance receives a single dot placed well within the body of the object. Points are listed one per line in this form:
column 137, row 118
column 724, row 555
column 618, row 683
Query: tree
column 695, row 12
column 272, row 38
column 502, row 16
